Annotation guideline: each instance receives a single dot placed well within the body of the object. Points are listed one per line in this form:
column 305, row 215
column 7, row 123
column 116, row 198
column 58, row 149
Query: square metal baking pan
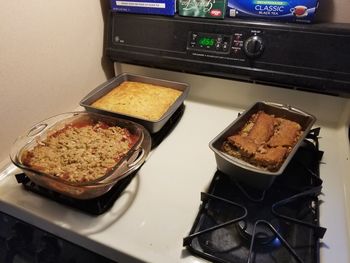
column 247, row 173
column 151, row 126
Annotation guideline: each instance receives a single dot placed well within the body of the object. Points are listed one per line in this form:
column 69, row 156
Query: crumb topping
column 80, row 153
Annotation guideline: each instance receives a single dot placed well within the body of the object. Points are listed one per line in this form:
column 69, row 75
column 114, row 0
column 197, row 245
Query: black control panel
column 239, row 45
column 309, row 57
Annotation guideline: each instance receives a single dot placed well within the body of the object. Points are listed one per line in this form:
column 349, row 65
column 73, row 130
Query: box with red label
column 202, row 8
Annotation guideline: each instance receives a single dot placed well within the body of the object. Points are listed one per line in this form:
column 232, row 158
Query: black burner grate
column 101, row 204
column 277, row 225
column 95, row 206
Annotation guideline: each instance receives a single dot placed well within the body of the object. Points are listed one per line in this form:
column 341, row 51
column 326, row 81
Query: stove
column 237, row 223
column 305, row 66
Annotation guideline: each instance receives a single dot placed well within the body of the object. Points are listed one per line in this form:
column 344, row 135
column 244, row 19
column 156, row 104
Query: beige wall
column 50, row 57
column 333, row 11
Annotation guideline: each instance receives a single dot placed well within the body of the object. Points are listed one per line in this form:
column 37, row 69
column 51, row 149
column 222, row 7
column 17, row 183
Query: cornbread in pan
column 142, row 100
column 265, row 140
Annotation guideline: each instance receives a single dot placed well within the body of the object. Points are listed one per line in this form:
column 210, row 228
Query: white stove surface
column 149, row 221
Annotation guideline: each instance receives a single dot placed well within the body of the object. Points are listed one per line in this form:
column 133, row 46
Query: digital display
column 206, row 41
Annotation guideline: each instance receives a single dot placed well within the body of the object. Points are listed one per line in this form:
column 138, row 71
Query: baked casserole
column 80, row 152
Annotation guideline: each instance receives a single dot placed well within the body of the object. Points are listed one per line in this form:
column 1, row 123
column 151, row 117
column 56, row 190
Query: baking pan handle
column 139, row 157
column 287, row 107
column 37, row 129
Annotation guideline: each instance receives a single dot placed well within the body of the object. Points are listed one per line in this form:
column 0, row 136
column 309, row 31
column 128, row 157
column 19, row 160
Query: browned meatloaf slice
column 271, row 158
column 286, row 134
column 263, row 128
column 244, row 144
column 264, row 141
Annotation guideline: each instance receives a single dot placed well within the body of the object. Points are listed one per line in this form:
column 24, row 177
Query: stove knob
column 254, row 46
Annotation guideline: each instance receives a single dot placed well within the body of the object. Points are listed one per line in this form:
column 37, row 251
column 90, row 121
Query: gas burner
column 263, row 235
column 240, row 224
column 258, row 207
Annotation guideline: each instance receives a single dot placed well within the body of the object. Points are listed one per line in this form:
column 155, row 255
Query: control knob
column 254, row 46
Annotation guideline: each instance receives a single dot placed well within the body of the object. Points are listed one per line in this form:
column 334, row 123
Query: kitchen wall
column 336, row 11
column 50, row 57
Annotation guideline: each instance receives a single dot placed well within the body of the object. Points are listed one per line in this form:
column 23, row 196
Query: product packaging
column 202, row 8
column 154, row 7
column 288, row 10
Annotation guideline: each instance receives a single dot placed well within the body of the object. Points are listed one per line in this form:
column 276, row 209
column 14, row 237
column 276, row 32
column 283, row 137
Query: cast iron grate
column 101, row 204
column 236, row 223
column 95, row 206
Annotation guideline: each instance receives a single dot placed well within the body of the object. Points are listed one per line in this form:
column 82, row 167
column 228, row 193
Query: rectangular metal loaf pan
column 151, row 126
column 249, row 174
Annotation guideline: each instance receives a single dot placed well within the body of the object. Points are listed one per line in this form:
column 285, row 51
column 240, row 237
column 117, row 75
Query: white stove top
column 158, row 208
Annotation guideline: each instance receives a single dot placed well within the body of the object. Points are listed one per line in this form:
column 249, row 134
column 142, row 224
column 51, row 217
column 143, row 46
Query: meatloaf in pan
column 260, row 143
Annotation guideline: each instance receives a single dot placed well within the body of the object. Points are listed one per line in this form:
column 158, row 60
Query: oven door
column 21, row 242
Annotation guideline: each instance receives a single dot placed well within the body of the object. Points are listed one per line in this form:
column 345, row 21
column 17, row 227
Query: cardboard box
column 154, row 7
column 203, row 8
column 283, row 10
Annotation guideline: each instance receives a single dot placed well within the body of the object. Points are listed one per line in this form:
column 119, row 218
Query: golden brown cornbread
column 142, row 100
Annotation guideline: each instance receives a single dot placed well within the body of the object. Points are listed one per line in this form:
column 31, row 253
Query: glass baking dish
column 129, row 162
